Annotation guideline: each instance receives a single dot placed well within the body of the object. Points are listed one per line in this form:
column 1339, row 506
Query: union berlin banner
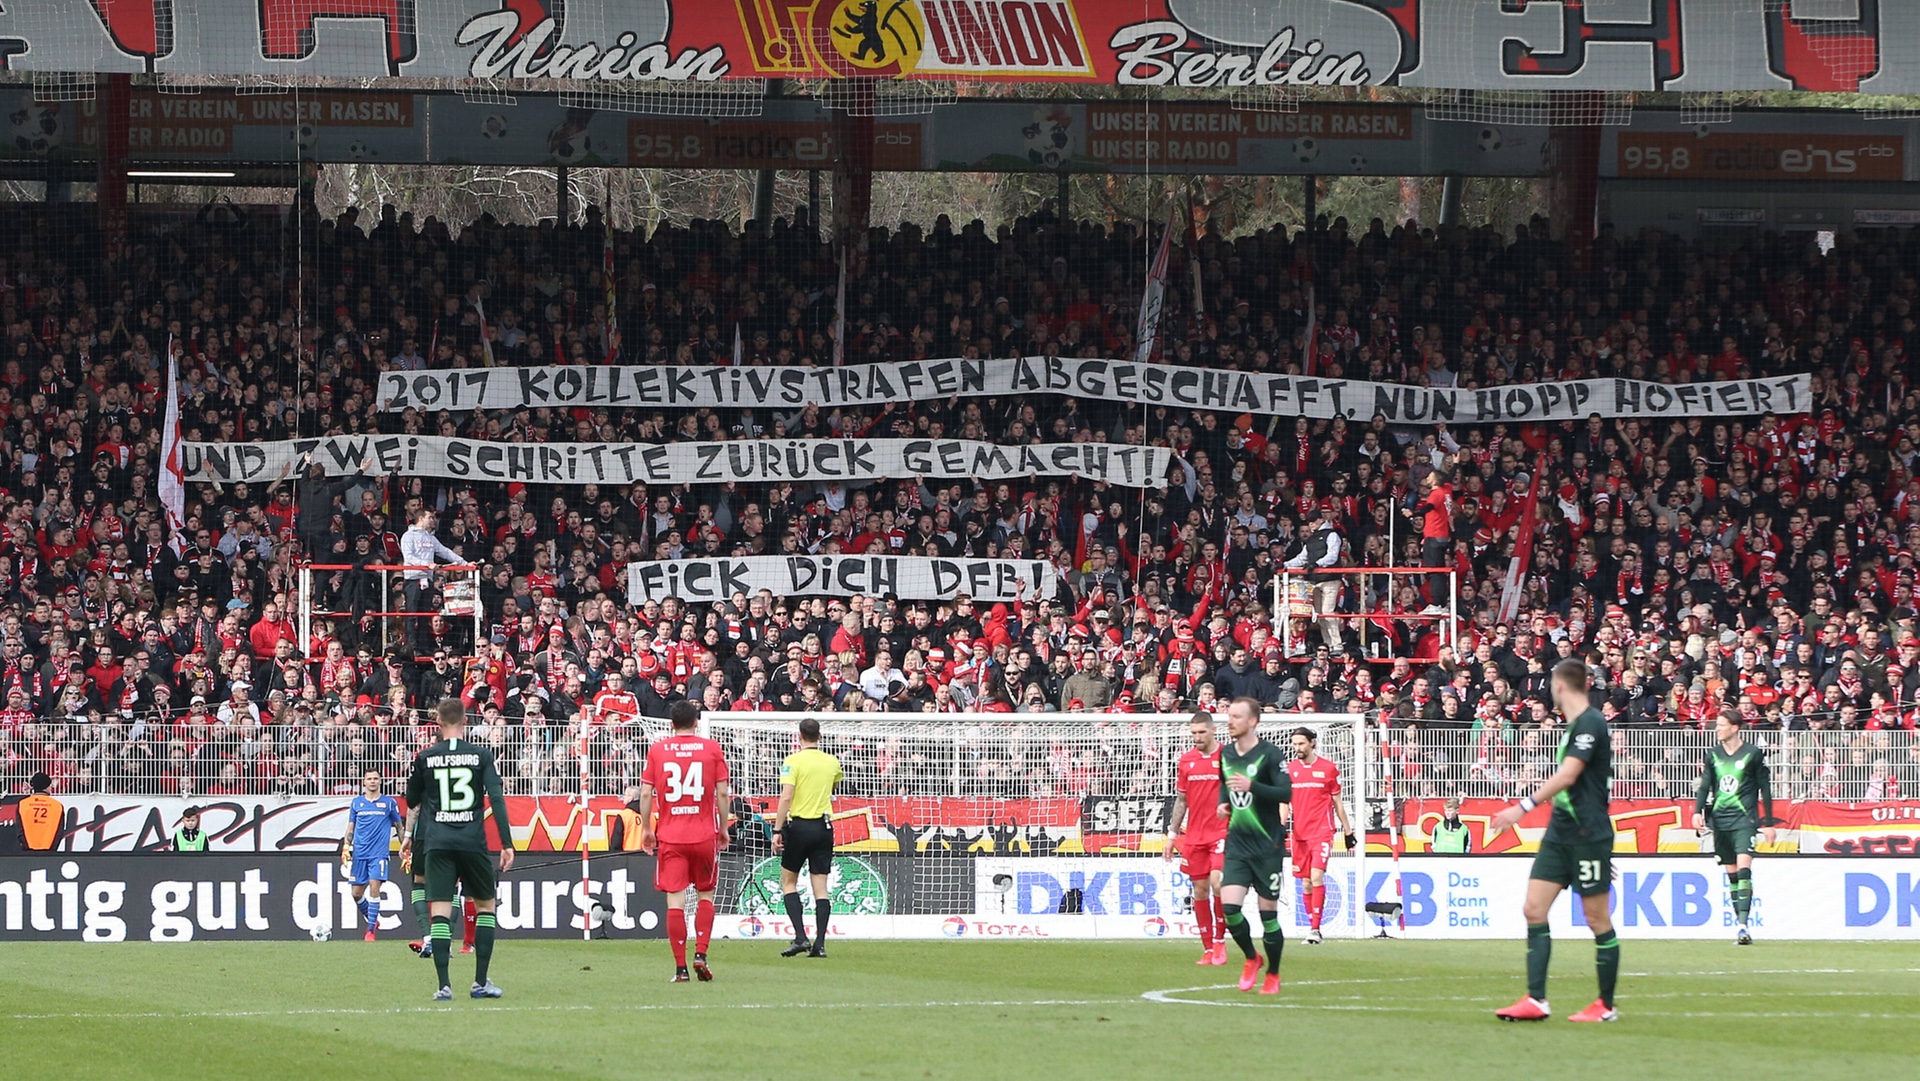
column 902, row 382
column 914, row 578
column 1703, row 45
column 832, row 461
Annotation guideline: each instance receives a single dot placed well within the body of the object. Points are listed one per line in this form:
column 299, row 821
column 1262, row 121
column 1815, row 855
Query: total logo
column 1155, row 927
column 961, row 927
column 752, row 928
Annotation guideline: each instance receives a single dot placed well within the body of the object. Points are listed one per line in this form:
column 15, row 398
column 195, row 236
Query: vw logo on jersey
column 1240, row 800
column 1155, row 927
column 751, row 928
column 953, row 927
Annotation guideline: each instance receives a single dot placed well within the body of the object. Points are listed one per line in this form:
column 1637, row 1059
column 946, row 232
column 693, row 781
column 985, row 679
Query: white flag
column 739, row 349
column 486, row 346
column 173, row 485
column 1148, row 331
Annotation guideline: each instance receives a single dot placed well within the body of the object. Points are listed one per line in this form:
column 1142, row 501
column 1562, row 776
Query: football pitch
column 952, row 1009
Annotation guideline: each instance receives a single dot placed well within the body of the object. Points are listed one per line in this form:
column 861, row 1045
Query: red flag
column 1522, row 562
column 1312, row 334
column 613, row 318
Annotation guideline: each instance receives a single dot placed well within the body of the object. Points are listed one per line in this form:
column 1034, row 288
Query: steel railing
column 892, row 754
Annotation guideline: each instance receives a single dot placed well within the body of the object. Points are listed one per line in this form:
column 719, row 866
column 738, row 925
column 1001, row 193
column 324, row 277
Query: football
column 573, row 149
column 34, row 129
column 358, row 150
column 1489, row 139
column 1305, row 150
column 320, row 932
column 303, row 135
column 494, row 126
column 1357, row 162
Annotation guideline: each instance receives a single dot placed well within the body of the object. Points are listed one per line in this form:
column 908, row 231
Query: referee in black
column 803, row 835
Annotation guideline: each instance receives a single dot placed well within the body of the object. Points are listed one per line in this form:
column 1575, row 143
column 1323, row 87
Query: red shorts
column 683, row 865
column 1309, row 854
column 1201, row 859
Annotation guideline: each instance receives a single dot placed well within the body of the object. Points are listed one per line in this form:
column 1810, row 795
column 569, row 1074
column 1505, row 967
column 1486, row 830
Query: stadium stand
column 1766, row 562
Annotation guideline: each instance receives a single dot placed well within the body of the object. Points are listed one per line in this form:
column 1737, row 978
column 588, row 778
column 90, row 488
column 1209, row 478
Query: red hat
column 364, row 700
column 1076, row 703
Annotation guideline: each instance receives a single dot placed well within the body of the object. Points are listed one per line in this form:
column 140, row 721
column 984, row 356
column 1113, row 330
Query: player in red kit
column 689, row 775
column 1201, row 833
column 1316, row 803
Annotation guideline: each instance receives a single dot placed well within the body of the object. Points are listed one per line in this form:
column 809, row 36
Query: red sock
column 1316, row 903
column 1203, row 915
column 703, row 926
column 1219, row 919
column 677, row 935
column 467, row 930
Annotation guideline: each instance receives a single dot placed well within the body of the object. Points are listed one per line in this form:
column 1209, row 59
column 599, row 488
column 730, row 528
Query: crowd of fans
column 1759, row 563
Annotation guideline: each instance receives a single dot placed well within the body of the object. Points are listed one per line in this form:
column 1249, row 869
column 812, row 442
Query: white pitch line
column 1165, row 997
column 568, row 1008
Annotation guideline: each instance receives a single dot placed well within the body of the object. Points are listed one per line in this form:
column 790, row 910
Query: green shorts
column 473, row 870
column 1733, row 841
column 1262, row 872
column 1585, row 866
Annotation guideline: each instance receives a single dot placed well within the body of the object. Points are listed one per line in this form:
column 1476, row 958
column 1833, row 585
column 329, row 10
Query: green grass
column 952, row 1009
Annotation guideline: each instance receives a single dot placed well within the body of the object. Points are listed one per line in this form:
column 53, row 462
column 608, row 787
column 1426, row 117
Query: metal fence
column 1507, row 763
column 898, row 755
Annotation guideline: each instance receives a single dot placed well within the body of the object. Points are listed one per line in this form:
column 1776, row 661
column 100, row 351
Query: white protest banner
column 834, row 461
column 1114, row 380
column 920, row 578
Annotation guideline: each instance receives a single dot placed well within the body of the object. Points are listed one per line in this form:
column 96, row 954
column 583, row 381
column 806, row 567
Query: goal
column 966, row 825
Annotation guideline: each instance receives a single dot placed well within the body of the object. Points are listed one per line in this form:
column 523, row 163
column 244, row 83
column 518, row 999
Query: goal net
column 985, row 824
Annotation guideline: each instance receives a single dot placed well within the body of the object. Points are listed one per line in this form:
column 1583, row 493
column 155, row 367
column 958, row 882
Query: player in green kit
column 444, row 795
column 1577, row 850
column 1256, row 788
column 1735, row 800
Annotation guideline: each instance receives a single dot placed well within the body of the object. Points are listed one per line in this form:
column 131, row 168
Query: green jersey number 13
column 456, row 787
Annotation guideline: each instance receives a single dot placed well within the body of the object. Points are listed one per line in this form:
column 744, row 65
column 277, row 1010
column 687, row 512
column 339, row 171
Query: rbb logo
column 1101, row 893
column 1638, row 900
column 1869, row 899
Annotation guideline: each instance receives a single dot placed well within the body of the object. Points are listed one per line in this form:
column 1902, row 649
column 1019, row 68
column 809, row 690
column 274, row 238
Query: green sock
column 1242, row 934
column 442, row 937
column 1275, row 939
column 1606, row 963
column 1742, row 888
column 483, row 925
column 420, row 911
column 1539, row 953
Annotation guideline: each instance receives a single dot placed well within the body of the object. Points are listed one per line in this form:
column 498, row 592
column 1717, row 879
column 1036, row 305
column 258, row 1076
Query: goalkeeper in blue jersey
column 368, row 845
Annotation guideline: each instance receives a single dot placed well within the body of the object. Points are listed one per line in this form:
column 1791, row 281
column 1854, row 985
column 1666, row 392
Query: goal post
column 997, row 824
